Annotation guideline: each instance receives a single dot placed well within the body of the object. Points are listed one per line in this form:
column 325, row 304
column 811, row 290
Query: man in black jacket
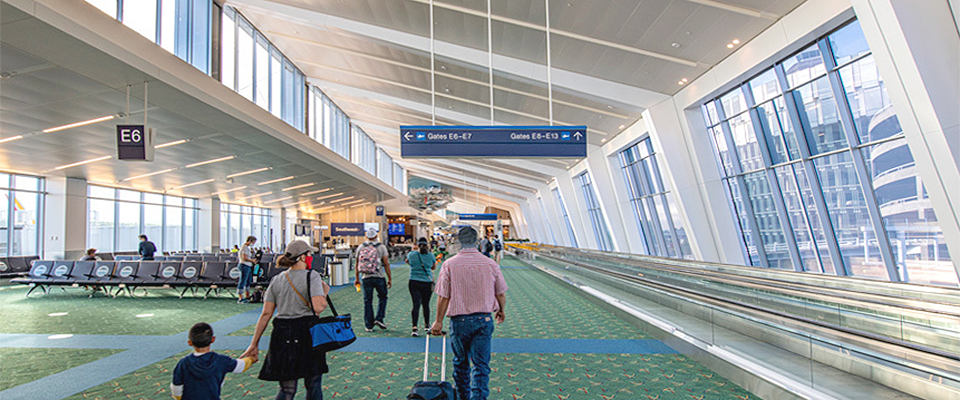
column 146, row 249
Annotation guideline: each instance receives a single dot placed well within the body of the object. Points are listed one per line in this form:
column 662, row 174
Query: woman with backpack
column 421, row 281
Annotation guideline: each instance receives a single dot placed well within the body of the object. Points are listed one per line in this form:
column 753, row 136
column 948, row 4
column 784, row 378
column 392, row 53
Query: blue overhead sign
column 478, row 217
column 493, row 141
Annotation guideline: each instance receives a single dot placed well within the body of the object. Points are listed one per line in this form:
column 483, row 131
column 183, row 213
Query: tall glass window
column 21, row 215
column 558, row 198
column 653, row 205
column 543, row 214
column 384, row 166
column 237, row 222
column 116, row 217
column 597, row 220
column 821, row 177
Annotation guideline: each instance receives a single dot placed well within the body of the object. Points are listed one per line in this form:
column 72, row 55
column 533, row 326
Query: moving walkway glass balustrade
column 804, row 330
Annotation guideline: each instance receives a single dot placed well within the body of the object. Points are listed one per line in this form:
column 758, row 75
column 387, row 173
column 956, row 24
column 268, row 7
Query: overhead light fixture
column 299, row 202
column 277, row 180
column 78, row 124
column 316, row 192
column 254, row 196
column 353, row 202
column 343, row 199
column 329, row 196
column 360, row 205
column 298, row 187
column 147, row 175
column 736, row 41
column 193, row 184
column 622, row 126
column 228, row 191
column 92, row 160
column 173, row 143
column 682, row 81
column 278, row 200
column 215, row 160
column 729, row 45
column 11, row 138
column 252, row 171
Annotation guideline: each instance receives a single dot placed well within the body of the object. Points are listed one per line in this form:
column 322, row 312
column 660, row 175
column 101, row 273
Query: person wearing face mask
column 422, row 262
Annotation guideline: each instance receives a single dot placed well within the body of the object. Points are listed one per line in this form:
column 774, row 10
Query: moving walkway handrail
column 826, row 293
column 918, row 351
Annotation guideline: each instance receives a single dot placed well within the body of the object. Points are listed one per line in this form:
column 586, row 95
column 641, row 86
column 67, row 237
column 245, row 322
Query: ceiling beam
column 626, row 96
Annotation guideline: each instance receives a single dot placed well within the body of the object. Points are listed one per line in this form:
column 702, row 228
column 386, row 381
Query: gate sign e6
column 134, row 143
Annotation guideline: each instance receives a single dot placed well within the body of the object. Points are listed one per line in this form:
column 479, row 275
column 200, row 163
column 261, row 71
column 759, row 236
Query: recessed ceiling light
column 298, row 187
column 729, row 45
column 173, row 143
column 609, row 107
column 675, row 45
column 315, row 192
column 255, row 195
column 215, row 160
column 163, row 171
column 329, row 196
column 12, row 138
column 78, row 124
column 193, row 184
column 684, row 80
column 343, row 199
column 92, row 160
column 736, row 41
column 603, row 140
column 622, row 126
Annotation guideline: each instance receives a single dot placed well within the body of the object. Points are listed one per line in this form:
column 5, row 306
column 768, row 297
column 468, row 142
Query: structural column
column 208, row 240
column 917, row 50
column 65, row 218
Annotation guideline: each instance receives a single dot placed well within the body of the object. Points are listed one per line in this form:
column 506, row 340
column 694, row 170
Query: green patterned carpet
column 108, row 316
column 43, row 362
column 515, row 376
column 537, row 307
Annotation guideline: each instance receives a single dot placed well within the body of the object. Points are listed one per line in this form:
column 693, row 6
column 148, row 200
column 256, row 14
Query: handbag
column 329, row 333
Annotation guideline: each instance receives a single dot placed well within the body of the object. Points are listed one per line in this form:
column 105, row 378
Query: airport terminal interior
column 688, row 199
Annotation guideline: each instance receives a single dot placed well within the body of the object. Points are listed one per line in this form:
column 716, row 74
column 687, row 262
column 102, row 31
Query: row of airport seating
column 194, row 257
column 15, row 266
column 115, row 277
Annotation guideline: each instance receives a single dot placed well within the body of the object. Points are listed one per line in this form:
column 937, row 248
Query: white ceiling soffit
column 60, row 79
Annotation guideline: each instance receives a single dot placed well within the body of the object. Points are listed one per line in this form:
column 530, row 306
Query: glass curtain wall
column 819, row 173
column 364, row 152
column 566, row 218
column 116, row 217
column 600, row 229
column 182, row 27
column 653, row 205
column 398, row 177
column 238, row 222
column 543, row 212
column 384, row 166
column 21, row 215
column 255, row 68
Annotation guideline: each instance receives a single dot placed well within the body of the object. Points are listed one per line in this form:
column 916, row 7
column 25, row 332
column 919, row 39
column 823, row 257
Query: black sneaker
column 415, row 333
column 380, row 324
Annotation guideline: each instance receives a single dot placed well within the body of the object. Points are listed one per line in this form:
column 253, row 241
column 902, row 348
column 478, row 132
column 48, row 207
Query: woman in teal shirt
column 421, row 282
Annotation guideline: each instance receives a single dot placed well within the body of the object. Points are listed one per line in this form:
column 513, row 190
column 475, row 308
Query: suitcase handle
column 443, row 358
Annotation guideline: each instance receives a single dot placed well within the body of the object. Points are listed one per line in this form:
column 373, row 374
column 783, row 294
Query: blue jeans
column 470, row 338
column 246, row 277
column 369, row 285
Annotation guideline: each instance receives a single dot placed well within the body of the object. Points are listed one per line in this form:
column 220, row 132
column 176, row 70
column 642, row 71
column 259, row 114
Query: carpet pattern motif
column 42, row 362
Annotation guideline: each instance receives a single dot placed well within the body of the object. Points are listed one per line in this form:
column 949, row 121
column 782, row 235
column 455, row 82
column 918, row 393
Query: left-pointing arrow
column 407, row 135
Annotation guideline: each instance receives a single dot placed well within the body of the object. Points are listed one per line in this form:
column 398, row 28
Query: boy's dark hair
column 142, row 236
column 201, row 334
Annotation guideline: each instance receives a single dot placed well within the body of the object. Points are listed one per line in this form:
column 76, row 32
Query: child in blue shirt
column 199, row 376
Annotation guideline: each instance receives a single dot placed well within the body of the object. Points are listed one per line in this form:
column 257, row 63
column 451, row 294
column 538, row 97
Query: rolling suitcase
column 427, row 390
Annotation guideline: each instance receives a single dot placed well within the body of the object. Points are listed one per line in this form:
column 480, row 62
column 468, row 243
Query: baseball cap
column 371, row 233
column 298, row 248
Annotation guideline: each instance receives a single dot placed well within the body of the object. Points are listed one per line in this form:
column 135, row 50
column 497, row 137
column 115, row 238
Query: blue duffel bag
column 329, row 333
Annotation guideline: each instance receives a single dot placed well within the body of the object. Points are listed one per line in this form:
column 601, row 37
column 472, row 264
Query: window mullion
column 859, row 166
column 813, row 180
column 786, row 228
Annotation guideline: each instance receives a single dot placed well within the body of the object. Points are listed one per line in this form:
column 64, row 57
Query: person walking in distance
column 421, row 282
column 246, row 261
column 373, row 263
column 469, row 289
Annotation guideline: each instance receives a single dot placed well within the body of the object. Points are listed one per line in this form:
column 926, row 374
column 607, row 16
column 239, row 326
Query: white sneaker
column 415, row 333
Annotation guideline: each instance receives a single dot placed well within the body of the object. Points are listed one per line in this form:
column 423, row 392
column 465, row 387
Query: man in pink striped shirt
column 469, row 289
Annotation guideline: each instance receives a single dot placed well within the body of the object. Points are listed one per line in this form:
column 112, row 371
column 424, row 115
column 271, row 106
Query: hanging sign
column 134, row 143
column 493, row 141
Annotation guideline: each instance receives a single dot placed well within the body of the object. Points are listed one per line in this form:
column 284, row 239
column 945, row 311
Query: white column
column 65, row 218
column 917, row 50
column 208, row 227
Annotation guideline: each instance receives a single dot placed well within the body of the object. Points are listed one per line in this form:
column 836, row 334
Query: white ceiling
column 58, row 79
column 611, row 59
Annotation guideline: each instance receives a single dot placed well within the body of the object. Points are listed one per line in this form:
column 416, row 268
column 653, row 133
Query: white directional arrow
column 407, row 136
column 577, row 135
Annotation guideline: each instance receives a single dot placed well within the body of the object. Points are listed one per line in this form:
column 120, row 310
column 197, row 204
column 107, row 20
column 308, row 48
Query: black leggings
column 420, row 293
column 288, row 389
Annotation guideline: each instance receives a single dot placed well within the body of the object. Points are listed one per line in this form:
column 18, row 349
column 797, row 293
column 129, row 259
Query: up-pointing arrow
column 577, row 135
column 407, row 136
